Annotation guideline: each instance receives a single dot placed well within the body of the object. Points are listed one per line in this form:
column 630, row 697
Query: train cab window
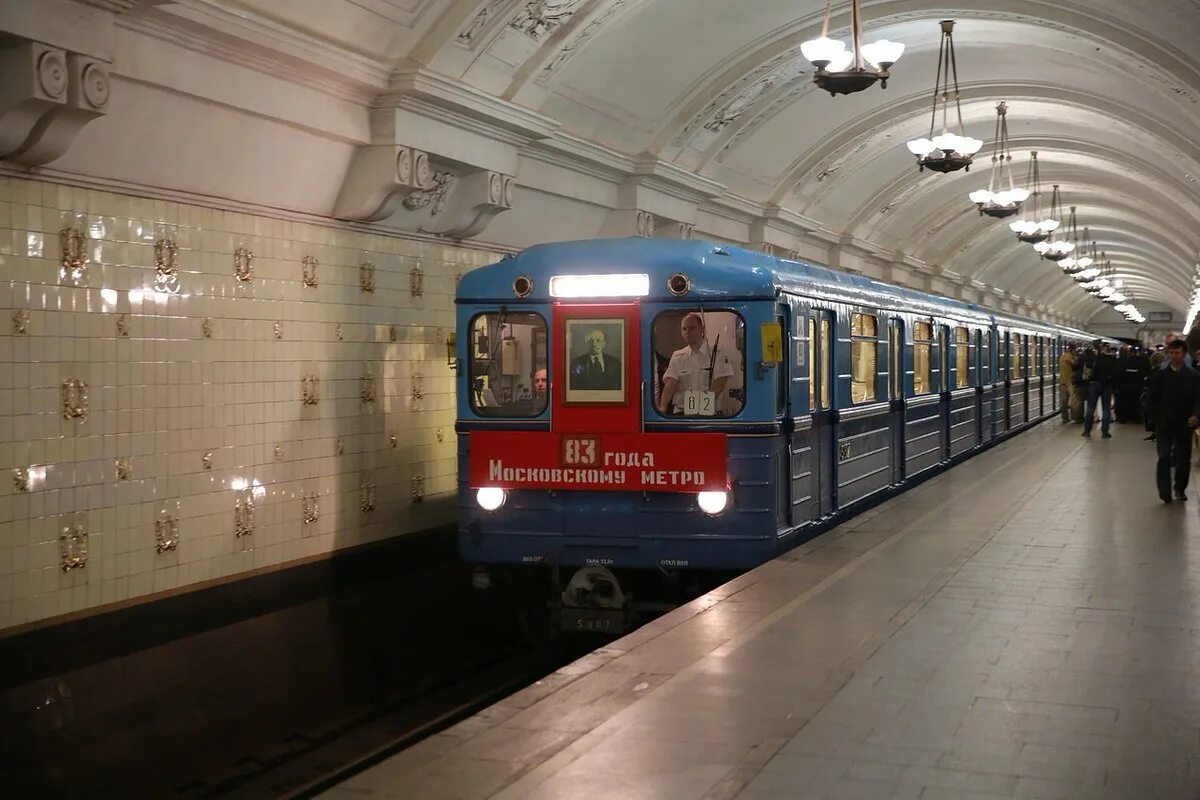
column 922, row 348
column 508, row 365
column 962, row 358
column 699, row 363
column 863, row 332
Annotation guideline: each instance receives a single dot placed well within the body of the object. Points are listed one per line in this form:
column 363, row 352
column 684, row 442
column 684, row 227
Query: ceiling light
column 947, row 151
column 1005, row 202
column 1033, row 227
column 845, row 71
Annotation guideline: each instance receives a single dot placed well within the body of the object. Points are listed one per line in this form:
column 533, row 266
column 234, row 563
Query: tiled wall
column 194, row 386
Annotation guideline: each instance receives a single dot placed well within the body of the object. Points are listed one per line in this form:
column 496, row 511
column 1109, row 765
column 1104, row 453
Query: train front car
column 618, row 416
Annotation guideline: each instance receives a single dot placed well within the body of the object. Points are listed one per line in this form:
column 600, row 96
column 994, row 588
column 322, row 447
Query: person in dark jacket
column 1175, row 404
column 1097, row 377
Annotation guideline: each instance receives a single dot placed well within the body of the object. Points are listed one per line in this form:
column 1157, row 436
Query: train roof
column 716, row 272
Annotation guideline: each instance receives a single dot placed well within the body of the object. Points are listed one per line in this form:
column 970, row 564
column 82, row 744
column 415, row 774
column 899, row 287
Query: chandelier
column 1075, row 264
column 948, row 151
column 842, row 71
column 1052, row 249
column 1034, row 227
column 1005, row 202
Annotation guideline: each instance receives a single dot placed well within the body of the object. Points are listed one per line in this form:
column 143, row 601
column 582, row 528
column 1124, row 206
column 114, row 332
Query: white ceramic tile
column 164, row 395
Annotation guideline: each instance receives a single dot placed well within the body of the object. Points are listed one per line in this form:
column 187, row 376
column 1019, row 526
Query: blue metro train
column 640, row 404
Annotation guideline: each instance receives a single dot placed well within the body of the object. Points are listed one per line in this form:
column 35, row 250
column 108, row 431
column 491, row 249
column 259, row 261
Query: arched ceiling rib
column 1108, row 92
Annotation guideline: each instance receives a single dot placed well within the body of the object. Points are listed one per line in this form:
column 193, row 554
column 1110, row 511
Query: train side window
column 896, row 359
column 922, row 349
column 1014, row 356
column 962, row 358
column 812, row 365
column 863, row 333
column 699, row 363
column 826, row 361
column 509, row 368
column 943, row 381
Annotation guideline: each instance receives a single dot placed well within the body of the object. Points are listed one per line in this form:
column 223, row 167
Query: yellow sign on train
column 772, row 342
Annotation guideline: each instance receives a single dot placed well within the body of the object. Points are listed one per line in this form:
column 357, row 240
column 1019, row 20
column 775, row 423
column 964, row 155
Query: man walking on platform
column 1175, row 404
column 1097, row 377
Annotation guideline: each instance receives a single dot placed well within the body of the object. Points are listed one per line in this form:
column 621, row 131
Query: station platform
column 1024, row 625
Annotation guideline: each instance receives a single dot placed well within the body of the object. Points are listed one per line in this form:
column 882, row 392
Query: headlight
column 712, row 502
column 490, row 498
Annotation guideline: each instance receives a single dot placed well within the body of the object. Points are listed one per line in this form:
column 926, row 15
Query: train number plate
column 593, row 620
column 579, row 451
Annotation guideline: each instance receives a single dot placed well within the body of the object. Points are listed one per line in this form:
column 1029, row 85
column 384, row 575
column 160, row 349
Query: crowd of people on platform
column 1158, row 387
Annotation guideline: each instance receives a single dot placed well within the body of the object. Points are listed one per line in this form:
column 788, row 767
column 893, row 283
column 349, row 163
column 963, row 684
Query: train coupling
column 594, row 602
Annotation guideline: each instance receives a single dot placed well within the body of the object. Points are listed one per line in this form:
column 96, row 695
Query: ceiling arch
column 1107, row 91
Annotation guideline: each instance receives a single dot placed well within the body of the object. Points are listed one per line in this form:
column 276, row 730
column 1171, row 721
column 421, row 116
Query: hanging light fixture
column 948, row 151
column 1090, row 270
column 994, row 202
column 1052, row 249
column 842, row 71
column 1033, row 227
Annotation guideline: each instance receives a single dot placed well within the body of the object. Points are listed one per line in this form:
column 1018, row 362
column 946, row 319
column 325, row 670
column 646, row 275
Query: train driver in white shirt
column 689, row 368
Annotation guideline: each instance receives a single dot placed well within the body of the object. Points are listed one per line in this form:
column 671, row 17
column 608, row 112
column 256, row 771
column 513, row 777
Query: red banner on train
column 638, row 462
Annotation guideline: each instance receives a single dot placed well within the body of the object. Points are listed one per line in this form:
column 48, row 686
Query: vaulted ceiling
column 1107, row 91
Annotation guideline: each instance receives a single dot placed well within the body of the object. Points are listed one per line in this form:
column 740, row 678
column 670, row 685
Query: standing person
column 1175, row 405
column 1066, row 379
column 1099, row 372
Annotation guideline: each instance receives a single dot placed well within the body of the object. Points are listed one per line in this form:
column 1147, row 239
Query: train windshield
column 699, row 363
column 509, row 375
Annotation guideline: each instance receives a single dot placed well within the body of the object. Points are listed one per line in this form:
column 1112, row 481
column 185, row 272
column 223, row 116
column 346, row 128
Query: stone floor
column 1026, row 625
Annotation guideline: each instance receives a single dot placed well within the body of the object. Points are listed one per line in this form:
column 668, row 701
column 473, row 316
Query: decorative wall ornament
column 310, row 508
column 166, row 530
column 74, row 265
column 21, row 479
column 206, row 328
column 441, row 434
column 393, row 440
column 309, row 388
column 366, row 497
column 75, row 399
column 443, row 184
column 469, row 35
column 416, row 281
column 278, row 330
column 20, row 320
column 366, row 276
column 166, row 270
column 418, row 387
column 277, row 451
column 123, row 326
column 337, row 331
column 645, row 224
column 243, row 512
column 393, row 334
column 418, row 487
column 539, row 17
column 308, row 270
column 207, row 459
column 243, row 265
column 339, row 447
column 73, row 544
column 124, row 467
column 568, row 50
column 366, row 383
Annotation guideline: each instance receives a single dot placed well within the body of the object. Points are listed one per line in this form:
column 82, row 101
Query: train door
column 824, row 433
column 896, row 395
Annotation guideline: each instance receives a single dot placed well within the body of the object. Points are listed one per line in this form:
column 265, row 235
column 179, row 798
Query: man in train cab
column 596, row 369
column 1097, row 379
column 694, row 367
column 1175, row 405
column 539, row 383
column 1069, row 394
